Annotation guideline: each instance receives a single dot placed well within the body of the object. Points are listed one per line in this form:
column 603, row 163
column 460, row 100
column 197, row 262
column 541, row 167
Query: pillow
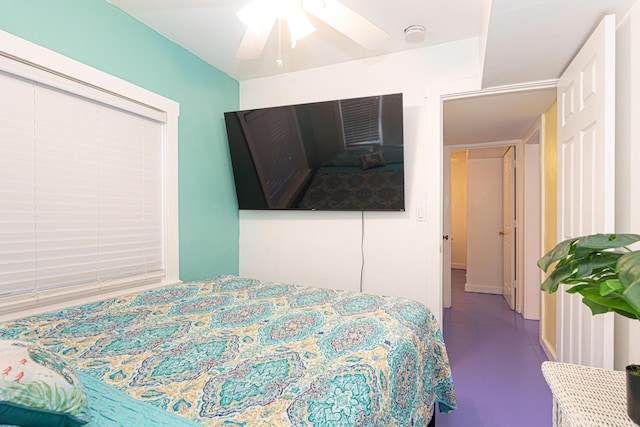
column 37, row 388
column 393, row 153
column 346, row 158
column 372, row 160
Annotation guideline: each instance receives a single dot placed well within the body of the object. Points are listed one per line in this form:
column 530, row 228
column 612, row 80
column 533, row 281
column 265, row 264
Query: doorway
column 481, row 239
column 491, row 119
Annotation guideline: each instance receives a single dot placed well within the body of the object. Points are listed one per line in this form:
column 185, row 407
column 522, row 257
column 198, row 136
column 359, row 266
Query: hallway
column 495, row 359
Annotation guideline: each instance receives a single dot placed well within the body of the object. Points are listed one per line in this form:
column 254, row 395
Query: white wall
column 627, row 332
column 402, row 255
column 484, row 222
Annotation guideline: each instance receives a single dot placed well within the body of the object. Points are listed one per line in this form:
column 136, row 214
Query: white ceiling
column 495, row 117
column 525, row 41
column 211, row 30
column 533, row 40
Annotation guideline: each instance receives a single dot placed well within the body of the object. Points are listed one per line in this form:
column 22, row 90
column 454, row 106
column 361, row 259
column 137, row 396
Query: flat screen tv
column 335, row 155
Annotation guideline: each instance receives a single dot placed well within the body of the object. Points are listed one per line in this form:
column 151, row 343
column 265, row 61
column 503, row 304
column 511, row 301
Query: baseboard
column 483, row 289
column 550, row 353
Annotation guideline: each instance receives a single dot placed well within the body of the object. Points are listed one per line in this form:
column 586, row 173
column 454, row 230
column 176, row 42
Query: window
column 88, row 182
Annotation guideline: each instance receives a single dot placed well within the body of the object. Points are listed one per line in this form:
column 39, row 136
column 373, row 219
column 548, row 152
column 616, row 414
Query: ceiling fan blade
column 348, row 22
column 254, row 41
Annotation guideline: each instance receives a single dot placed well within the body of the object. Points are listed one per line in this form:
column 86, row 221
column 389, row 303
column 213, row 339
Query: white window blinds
column 80, row 190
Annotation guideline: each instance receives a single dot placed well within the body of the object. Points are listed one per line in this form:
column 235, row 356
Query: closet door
column 586, row 187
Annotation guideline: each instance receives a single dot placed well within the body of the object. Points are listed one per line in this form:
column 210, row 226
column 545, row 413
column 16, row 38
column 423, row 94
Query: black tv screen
column 344, row 154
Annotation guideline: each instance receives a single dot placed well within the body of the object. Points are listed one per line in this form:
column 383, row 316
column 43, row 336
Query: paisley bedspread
column 233, row 352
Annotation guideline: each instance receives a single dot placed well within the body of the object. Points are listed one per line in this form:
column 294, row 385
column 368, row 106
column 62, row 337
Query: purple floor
column 495, row 359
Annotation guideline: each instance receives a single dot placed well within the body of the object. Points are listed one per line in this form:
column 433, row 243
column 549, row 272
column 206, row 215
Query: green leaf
column 629, row 272
column 593, row 269
column 629, row 267
column 584, row 268
column 612, row 303
column 633, row 315
column 583, row 252
column 632, row 296
column 608, row 279
column 577, row 288
column 595, row 264
column 600, row 260
column 595, row 307
column 559, row 275
column 610, row 286
column 560, row 251
column 607, row 241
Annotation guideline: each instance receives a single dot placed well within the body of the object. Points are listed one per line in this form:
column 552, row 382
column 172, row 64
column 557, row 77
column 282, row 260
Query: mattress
column 234, row 351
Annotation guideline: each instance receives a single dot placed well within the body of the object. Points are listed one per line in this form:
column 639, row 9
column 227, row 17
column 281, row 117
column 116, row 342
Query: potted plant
column 606, row 272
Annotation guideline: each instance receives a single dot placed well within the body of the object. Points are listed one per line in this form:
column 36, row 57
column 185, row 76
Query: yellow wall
column 550, row 185
column 459, row 209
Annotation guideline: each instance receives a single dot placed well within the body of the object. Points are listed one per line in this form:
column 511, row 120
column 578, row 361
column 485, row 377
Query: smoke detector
column 414, row 34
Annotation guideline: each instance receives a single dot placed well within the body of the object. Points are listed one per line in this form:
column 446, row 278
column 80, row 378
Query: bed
column 358, row 179
column 233, row 351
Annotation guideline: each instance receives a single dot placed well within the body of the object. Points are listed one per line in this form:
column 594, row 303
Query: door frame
column 446, row 217
column 446, row 184
column 533, row 223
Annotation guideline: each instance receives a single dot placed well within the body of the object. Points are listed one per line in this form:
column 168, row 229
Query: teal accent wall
column 99, row 34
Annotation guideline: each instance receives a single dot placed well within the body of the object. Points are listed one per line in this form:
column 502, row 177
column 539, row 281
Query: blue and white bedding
column 113, row 408
column 233, row 352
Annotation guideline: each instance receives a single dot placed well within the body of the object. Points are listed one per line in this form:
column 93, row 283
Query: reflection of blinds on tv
column 284, row 159
column 361, row 121
column 276, row 148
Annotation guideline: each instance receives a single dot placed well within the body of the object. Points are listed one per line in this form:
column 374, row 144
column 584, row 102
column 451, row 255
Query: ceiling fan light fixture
column 299, row 25
column 259, row 13
column 255, row 14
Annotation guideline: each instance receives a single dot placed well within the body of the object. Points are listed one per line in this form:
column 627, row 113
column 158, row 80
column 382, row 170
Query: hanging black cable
column 362, row 253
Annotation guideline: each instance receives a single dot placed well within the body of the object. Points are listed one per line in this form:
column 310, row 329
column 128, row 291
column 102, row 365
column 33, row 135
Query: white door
column 508, row 229
column 586, row 184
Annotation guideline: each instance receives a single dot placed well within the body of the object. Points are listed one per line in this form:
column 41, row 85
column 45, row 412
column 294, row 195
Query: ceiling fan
column 260, row 16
